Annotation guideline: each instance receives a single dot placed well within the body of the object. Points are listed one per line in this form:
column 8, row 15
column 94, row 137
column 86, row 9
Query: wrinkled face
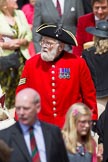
column 50, row 48
column 101, row 9
column 32, row 2
column 84, row 125
column 26, row 110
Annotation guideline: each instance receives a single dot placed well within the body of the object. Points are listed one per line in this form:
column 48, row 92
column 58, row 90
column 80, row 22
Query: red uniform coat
column 81, row 35
column 60, row 83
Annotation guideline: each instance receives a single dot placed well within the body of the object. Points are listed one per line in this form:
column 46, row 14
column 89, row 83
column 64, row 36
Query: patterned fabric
column 34, row 149
column 9, row 82
column 15, row 30
column 2, row 100
column 58, row 8
column 10, row 78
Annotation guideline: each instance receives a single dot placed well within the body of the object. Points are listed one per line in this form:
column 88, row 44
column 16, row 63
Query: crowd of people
column 52, row 81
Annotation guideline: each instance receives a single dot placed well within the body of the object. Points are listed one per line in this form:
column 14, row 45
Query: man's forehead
column 101, row 3
column 49, row 38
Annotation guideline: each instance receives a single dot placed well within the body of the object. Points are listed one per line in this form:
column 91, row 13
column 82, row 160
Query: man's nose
column 100, row 10
column 21, row 111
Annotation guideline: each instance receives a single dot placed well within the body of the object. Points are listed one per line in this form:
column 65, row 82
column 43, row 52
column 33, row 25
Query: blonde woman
column 15, row 35
column 77, row 134
column 97, row 61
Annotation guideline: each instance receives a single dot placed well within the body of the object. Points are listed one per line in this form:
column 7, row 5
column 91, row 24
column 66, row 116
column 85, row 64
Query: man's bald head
column 27, row 103
column 28, row 93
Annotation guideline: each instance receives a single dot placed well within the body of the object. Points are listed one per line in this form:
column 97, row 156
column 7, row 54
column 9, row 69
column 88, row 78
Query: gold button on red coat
column 54, row 108
column 54, row 102
column 53, row 96
column 53, row 78
column 53, row 84
column 55, row 114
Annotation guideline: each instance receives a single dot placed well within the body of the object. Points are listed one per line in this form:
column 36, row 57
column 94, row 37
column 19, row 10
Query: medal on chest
column 64, row 73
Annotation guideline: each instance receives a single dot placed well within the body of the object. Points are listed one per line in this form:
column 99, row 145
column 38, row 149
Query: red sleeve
column 23, row 83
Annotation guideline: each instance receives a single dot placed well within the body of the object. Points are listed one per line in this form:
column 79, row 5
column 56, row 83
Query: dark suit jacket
column 81, row 35
column 98, row 65
column 87, row 6
column 45, row 12
column 102, row 130
column 55, row 149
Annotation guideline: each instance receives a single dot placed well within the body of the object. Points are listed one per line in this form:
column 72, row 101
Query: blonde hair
column 101, row 45
column 2, row 3
column 69, row 130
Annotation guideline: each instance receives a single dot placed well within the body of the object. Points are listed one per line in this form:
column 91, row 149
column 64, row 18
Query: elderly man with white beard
column 61, row 78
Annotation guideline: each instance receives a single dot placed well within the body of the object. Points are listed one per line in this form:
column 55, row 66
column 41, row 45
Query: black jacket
column 98, row 65
column 102, row 130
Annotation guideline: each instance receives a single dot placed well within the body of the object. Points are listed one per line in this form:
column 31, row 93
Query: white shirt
column 39, row 139
column 97, row 19
column 61, row 4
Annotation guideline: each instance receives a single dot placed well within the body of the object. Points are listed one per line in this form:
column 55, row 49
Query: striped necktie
column 34, row 149
column 58, row 7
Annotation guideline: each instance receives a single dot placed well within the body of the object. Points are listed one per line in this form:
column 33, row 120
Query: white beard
column 49, row 56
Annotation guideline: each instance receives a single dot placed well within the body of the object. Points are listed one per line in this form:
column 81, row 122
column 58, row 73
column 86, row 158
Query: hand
column 14, row 44
column 100, row 152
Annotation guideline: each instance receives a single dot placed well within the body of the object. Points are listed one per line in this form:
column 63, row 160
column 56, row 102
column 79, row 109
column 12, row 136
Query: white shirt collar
column 26, row 127
column 96, row 18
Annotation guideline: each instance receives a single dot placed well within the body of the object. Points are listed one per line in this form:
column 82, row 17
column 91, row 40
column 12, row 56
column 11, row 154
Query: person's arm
column 100, row 127
column 87, row 88
column 25, row 35
column 10, row 45
column 23, row 82
column 77, row 50
column 13, row 44
column 100, row 152
column 100, row 132
column 36, row 23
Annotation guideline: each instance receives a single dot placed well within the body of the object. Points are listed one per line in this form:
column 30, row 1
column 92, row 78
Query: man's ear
column 38, row 107
column 61, row 47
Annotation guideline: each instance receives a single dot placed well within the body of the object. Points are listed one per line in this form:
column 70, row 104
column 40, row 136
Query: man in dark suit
column 46, row 12
column 48, row 137
column 100, row 12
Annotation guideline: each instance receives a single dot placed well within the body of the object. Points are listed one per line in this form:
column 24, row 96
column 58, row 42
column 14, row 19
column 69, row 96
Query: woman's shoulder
column 19, row 12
